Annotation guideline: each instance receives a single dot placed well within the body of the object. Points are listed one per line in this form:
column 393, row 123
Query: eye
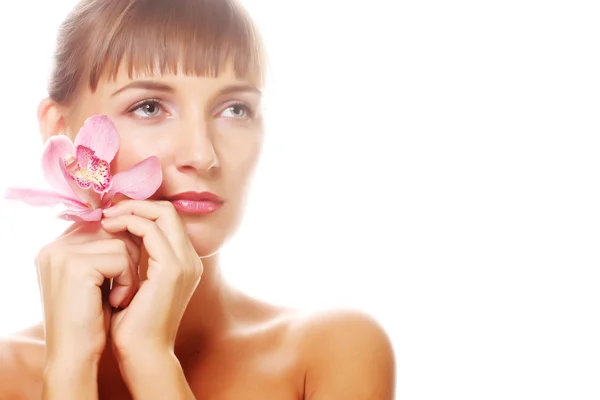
column 147, row 109
column 238, row 111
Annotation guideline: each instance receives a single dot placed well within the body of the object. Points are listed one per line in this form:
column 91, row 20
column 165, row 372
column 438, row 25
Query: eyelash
column 247, row 108
column 143, row 103
column 249, row 111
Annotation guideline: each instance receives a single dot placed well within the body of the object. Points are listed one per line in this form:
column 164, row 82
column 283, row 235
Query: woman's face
column 207, row 133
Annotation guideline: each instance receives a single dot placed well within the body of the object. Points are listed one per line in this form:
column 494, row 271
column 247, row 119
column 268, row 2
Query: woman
column 181, row 80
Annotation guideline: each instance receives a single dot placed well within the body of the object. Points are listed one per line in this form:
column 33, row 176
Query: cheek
column 243, row 160
column 132, row 153
column 135, row 148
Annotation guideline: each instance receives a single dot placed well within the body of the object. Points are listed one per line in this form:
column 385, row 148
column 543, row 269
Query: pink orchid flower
column 79, row 172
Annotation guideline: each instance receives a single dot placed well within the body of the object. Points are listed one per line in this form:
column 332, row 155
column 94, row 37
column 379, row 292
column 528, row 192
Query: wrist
column 141, row 354
column 149, row 362
column 65, row 379
column 156, row 374
column 71, row 359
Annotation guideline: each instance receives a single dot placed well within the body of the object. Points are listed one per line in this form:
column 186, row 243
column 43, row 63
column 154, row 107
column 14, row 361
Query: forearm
column 70, row 381
column 156, row 377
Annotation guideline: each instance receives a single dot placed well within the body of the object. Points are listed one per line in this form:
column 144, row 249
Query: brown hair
column 154, row 36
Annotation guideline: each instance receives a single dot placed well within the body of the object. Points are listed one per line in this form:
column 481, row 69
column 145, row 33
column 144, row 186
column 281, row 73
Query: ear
column 51, row 120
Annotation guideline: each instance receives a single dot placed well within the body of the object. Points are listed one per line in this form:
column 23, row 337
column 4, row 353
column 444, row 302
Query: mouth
column 199, row 203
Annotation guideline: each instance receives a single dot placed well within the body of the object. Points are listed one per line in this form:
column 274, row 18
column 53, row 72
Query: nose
column 195, row 149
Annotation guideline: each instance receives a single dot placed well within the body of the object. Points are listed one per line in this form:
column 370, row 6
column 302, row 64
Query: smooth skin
column 174, row 328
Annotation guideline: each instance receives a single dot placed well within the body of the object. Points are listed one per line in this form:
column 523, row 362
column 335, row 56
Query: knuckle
column 193, row 272
column 196, row 268
column 42, row 256
column 48, row 256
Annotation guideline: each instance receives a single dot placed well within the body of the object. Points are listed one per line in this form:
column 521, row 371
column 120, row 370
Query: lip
column 199, row 203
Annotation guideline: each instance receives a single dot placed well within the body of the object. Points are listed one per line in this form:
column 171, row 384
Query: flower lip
column 196, row 196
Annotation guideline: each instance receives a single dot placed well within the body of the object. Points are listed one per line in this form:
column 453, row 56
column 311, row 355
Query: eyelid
column 249, row 109
column 163, row 111
column 146, row 101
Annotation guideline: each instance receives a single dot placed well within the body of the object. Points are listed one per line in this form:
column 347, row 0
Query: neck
column 209, row 309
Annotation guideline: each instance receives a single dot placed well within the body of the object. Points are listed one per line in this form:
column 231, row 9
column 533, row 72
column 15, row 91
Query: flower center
column 88, row 170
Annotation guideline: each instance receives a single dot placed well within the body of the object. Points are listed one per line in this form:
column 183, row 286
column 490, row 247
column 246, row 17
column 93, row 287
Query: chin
column 208, row 234
column 208, row 239
column 206, row 248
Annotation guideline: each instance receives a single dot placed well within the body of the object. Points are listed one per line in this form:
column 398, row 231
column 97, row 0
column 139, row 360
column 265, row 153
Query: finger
column 110, row 259
column 154, row 239
column 101, row 266
column 162, row 212
column 117, row 246
column 111, row 246
column 87, row 232
column 144, row 208
column 125, row 286
column 132, row 243
column 121, row 294
column 82, row 254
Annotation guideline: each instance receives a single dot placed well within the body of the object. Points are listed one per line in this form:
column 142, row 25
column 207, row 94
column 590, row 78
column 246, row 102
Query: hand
column 73, row 274
column 150, row 322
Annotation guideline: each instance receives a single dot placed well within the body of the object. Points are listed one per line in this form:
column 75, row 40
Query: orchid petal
column 36, row 197
column 87, row 215
column 57, row 147
column 138, row 182
column 99, row 134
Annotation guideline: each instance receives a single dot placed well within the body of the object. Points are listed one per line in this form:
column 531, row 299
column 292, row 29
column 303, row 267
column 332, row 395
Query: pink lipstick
column 199, row 203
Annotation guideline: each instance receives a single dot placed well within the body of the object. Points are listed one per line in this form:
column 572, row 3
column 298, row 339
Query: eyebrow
column 148, row 85
column 161, row 87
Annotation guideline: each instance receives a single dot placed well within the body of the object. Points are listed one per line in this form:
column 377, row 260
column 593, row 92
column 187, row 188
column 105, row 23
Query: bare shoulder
column 20, row 372
column 347, row 354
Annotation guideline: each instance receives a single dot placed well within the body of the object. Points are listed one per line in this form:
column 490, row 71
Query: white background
column 434, row 163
